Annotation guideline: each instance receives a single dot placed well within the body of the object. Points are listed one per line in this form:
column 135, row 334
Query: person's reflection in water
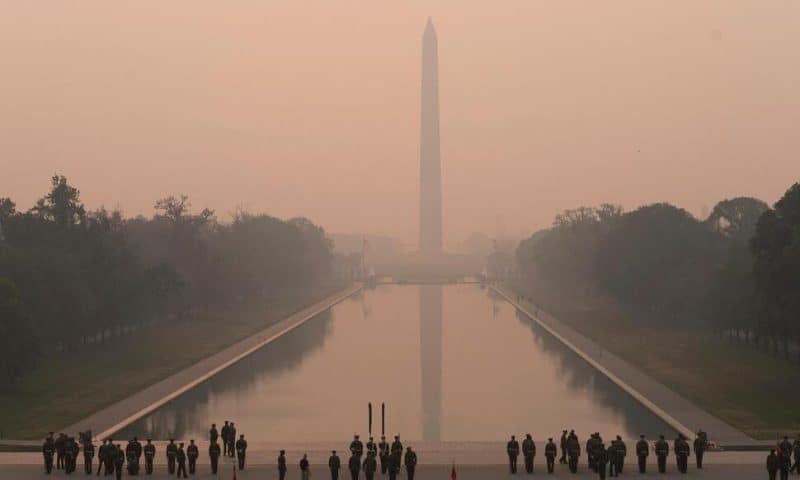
column 430, row 328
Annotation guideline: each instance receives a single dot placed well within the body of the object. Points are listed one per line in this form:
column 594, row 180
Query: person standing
column 88, row 455
column 512, row 449
column 600, row 460
column 172, row 453
column 213, row 455
column 662, row 450
column 149, row 456
column 305, row 468
column 528, row 452
column 370, row 466
column 371, row 446
column 282, row 465
column 225, row 433
column 394, row 465
column 180, row 457
column 60, row 445
column 642, row 452
column 622, row 452
column 354, row 465
column 241, row 451
column 212, row 433
column 784, row 462
column 397, row 449
column 334, row 464
column 192, row 453
column 383, row 452
column 681, row 448
column 699, row 449
column 411, row 462
column 231, row 440
column 563, row 459
column 573, row 451
column 48, row 449
column 772, row 464
column 356, row 447
column 611, row 458
column 70, row 455
column 550, row 452
column 118, row 460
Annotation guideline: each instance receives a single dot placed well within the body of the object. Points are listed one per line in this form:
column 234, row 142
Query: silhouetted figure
column 611, row 458
column 784, row 462
column 172, row 453
column 371, row 446
column 214, row 451
column 225, row 433
column 411, row 462
column 305, row 468
column 48, row 450
column 682, row 451
column 512, row 449
column 563, row 458
column 180, row 457
column 573, row 451
column 550, row 452
column 772, row 464
column 700, row 446
column 620, row 453
column 394, row 464
column 231, row 440
column 213, row 434
column 335, row 465
column 282, row 465
column 370, row 466
column 354, row 465
column 241, row 450
column 118, row 460
column 149, row 456
column 383, row 452
column 642, row 452
column 796, row 452
column 601, row 460
column 192, row 453
column 60, row 444
column 397, row 448
column 88, row 456
column 528, row 452
column 662, row 450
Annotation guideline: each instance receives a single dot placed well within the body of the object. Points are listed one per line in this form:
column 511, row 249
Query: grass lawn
column 754, row 391
column 68, row 387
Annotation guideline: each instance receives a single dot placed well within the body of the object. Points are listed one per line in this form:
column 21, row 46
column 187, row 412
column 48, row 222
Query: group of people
column 780, row 458
column 389, row 456
column 603, row 459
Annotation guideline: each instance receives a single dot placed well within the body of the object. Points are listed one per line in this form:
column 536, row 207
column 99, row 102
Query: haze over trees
column 735, row 273
column 71, row 277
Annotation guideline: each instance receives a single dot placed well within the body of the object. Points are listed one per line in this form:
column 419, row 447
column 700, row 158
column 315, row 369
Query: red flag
column 234, row 472
column 453, row 475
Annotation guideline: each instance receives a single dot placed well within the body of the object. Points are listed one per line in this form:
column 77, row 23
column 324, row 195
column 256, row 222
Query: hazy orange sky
column 312, row 107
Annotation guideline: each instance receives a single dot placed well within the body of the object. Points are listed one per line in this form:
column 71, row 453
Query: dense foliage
column 736, row 272
column 69, row 276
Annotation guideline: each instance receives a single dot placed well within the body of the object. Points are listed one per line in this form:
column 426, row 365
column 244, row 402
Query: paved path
column 118, row 415
column 675, row 410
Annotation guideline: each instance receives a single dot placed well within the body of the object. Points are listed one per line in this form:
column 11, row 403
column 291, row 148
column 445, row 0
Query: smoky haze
column 312, row 108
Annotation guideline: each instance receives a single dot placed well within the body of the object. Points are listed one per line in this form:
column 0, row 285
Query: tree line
column 736, row 272
column 70, row 276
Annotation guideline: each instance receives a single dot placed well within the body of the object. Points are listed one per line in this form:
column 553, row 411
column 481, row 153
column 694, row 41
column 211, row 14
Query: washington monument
column 430, row 170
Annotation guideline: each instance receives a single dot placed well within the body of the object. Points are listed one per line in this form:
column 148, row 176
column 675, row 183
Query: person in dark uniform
column 356, row 448
column 88, row 455
column 213, row 434
column 180, row 458
column 394, row 464
column 60, row 445
column 681, row 449
column 137, row 449
column 191, row 454
column 213, row 455
column 225, row 433
column 784, row 463
column 601, row 460
column 772, row 464
column 112, row 456
column 512, row 449
column 699, row 449
column 642, row 452
column 71, row 451
column 796, row 453
column 550, row 452
column 232, row 440
column 149, row 456
column 354, row 465
column 573, row 451
column 563, row 458
column 241, row 451
column 591, row 452
column 383, row 452
column 172, row 453
column 611, row 458
column 282, row 465
column 528, row 452
column 335, row 465
column 370, row 465
column 371, row 446
column 305, row 472
column 397, row 449
column 622, row 452
column 118, row 461
column 662, row 450
column 411, row 462
column 48, row 450
column 130, row 454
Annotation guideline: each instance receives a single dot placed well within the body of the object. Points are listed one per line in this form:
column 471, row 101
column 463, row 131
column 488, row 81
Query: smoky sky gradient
column 312, row 107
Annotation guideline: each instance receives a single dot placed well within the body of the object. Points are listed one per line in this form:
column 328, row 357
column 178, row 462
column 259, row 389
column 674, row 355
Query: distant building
column 430, row 178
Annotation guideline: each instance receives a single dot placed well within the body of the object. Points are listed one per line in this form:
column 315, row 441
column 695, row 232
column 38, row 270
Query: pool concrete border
column 676, row 411
column 113, row 418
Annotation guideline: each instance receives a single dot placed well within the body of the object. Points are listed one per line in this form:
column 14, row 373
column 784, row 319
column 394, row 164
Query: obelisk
column 430, row 171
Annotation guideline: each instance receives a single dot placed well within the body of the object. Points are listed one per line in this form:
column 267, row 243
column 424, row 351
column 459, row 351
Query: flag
column 234, row 472
column 453, row 475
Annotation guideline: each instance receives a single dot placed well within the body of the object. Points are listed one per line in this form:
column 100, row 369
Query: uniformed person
column 621, row 452
column 700, row 446
column 103, row 458
column 397, row 449
column 642, row 452
column 662, row 450
column 305, row 468
column 372, row 447
column 213, row 455
column 335, row 465
column 394, row 464
column 411, row 462
column 60, row 445
column 370, row 466
column 118, row 461
column 796, row 452
column 354, row 465
column 356, row 448
column 573, row 451
column 191, row 454
column 213, row 434
column 70, row 455
column 564, row 438
column 112, row 456
column 512, row 449
column 550, row 452
column 601, row 460
column 772, row 464
column 149, row 456
column 282, row 465
column 241, row 451
column 591, row 451
column 88, row 455
column 681, row 448
column 130, row 454
column 232, row 440
column 611, row 458
column 172, row 453
column 137, row 449
column 180, row 458
column 528, row 452
column 383, row 452
column 48, row 450
column 225, row 433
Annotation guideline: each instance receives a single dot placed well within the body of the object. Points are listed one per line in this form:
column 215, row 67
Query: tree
column 62, row 204
column 17, row 344
column 736, row 218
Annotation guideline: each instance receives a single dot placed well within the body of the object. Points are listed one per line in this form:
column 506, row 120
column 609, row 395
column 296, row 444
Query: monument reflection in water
column 452, row 363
